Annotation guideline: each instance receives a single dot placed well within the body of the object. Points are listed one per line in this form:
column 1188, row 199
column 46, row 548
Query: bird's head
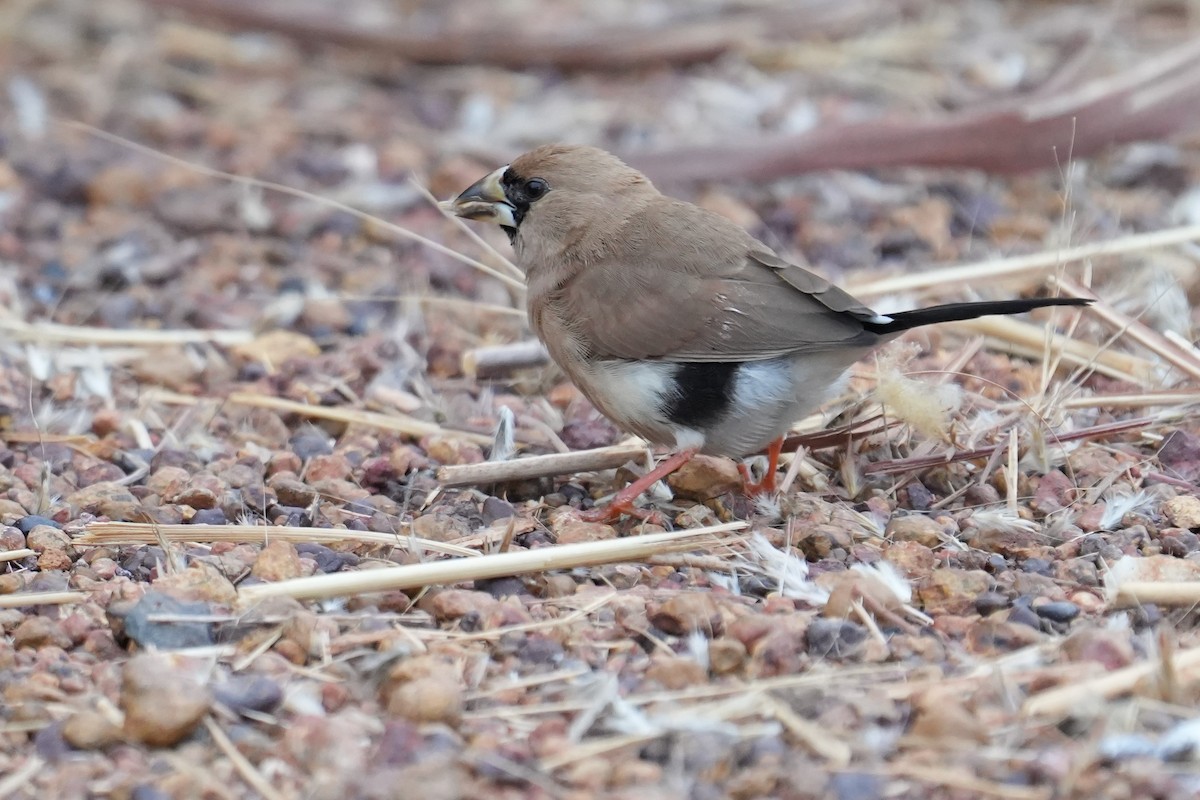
column 555, row 189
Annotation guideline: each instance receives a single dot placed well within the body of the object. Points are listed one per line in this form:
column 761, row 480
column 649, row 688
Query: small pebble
column 209, row 516
column 1025, row 615
column 1058, row 611
column 161, row 635
column 90, row 730
column 538, row 649
column 148, row 791
column 311, row 442
column 494, row 508
column 249, row 693
column 1183, row 511
column 689, row 612
column 278, row 561
column 163, row 699
column 990, row 602
column 437, row 698
column 834, row 638
column 914, row 528
column 36, row 632
column 1039, row 566
column 502, row 587
column 27, row 524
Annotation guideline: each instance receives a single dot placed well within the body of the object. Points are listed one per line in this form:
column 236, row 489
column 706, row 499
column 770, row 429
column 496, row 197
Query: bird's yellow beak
column 484, row 200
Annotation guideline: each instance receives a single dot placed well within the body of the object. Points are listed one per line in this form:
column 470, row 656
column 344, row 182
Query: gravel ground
column 211, row 389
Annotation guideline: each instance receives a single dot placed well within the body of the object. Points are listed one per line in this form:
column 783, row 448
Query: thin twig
column 1034, row 264
column 1163, row 593
column 891, row 466
column 401, row 423
column 1186, row 360
column 538, row 466
column 497, row 360
column 488, row 566
column 1063, row 700
column 1032, row 338
column 23, row 599
column 100, row 533
column 253, row 778
column 53, row 332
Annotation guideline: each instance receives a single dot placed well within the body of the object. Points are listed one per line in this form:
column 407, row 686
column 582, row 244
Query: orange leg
column 622, row 502
column 767, row 484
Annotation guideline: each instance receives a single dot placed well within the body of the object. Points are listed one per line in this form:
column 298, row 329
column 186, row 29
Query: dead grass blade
column 892, row 466
column 1030, row 340
column 20, row 778
column 1022, row 268
column 101, row 533
column 1186, row 360
column 1163, row 593
column 395, row 421
column 539, row 466
column 1059, row 702
column 253, row 778
column 502, row 359
column 489, row 566
column 21, row 600
column 54, row 333
column 952, row 778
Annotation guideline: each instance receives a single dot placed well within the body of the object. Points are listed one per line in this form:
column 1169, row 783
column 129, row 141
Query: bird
column 676, row 323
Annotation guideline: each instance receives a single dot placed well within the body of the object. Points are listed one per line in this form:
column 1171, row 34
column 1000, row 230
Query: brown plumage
column 676, row 323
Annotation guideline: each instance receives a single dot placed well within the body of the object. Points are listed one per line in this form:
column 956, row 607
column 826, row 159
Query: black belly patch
column 704, row 392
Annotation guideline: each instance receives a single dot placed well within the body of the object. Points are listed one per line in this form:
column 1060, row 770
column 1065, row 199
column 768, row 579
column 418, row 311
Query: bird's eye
column 535, row 188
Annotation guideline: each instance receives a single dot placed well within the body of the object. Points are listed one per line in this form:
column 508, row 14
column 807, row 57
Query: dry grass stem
column 253, row 778
column 38, row 437
column 101, row 533
column 54, row 333
column 544, row 466
column 502, row 359
column 964, row 781
column 1022, row 268
column 1167, row 399
column 1061, row 701
column 1032, row 341
column 401, row 423
column 489, row 566
column 1163, row 593
column 16, row 555
column 19, row 778
column 809, row 735
column 1184, row 359
column 891, row 466
column 21, row 600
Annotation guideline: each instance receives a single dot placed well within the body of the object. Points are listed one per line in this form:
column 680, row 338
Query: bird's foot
column 622, row 502
column 754, row 488
column 613, row 511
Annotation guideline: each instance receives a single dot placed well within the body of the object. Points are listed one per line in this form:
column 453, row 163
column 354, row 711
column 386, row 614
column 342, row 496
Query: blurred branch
column 1043, row 129
column 500, row 43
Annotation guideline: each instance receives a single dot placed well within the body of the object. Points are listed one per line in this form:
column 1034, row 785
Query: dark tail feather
column 952, row 312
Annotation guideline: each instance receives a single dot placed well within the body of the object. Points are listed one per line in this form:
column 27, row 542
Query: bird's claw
column 753, row 488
